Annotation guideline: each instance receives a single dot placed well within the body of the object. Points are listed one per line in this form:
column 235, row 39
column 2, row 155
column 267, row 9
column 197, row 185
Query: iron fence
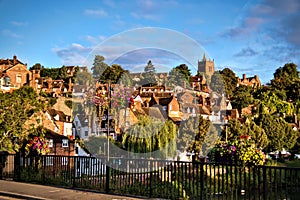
column 155, row 178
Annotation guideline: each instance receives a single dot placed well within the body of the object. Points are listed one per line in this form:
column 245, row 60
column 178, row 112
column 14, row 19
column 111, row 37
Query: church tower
column 206, row 65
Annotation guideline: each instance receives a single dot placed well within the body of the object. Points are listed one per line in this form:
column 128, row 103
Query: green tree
column 185, row 71
column 242, row 97
column 84, row 78
column 99, row 67
column 16, row 108
column 216, row 83
column 235, row 129
column 175, row 78
column 197, row 135
column 280, row 133
column 284, row 77
column 37, row 66
column 149, row 67
column 230, row 81
column 150, row 135
column 114, row 73
column 148, row 76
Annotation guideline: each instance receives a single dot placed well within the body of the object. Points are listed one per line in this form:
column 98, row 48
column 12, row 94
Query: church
column 206, row 66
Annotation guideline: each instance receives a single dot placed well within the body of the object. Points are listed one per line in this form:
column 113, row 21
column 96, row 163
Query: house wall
column 57, row 149
column 21, row 72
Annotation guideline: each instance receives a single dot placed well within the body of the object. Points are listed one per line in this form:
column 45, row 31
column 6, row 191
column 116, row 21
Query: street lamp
column 108, row 109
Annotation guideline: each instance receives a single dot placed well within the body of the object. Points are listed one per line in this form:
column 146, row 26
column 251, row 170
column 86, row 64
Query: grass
column 287, row 163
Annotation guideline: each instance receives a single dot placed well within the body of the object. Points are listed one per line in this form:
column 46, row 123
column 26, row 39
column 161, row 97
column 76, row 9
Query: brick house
column 14, row 72
column 250, row 81
column 62, row 121
column 60, row 144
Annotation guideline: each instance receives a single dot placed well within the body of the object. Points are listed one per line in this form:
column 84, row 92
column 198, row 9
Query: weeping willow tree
column 151, row 135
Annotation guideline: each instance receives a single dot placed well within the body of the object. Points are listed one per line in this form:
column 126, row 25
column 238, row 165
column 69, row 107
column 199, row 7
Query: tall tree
column 149, row 76
column 284, row 77
column 230, row 81
column 216, row 83
column 99, row 67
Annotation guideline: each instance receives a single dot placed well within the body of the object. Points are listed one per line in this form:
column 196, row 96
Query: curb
column 20, row 196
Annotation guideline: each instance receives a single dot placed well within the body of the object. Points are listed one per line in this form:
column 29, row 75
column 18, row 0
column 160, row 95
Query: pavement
column 16, row 190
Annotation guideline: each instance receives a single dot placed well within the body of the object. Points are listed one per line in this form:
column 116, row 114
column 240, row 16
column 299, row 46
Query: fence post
column 1, row 166
column 264, row 182
column 151, row 172
column 44, row 168
column 107, row 178
column 74, row 170
column 201, row 180
column 17, row 175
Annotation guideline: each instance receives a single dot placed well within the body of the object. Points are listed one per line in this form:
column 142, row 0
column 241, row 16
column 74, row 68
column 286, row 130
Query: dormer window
column 65, row 143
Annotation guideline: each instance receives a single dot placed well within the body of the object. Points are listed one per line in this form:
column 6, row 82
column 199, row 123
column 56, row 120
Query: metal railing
column 155, row 178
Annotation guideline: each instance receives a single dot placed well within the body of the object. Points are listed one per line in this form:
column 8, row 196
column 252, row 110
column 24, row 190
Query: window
column 50, row 143
column 19, row 78
column 65, row 143
column 170, row 107
column 86, row 133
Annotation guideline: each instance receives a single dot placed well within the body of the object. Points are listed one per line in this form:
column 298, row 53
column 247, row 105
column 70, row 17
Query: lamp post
column 108, row 124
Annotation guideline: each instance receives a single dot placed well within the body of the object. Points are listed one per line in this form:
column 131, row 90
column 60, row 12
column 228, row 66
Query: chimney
column 15, row 60
column 244, row 76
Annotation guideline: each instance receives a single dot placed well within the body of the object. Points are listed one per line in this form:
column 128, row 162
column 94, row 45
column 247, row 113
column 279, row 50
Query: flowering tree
column 121, row 98
column 239, row 151
column 36, row 144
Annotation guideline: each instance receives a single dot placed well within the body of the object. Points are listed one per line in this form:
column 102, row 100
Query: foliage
column 99, row 66
column 120, row 98
column 284, row 77
column 177, row 77
column 234, row 128
column 216, row 83
column 151, row 135
column 15, row 109
column 242, row 151
column 242, row 97
column 84, row 78
column 36, row 143
column 148, row 76
column 280, row 133
column 230, row 81
column 197, row 135
column 115, row 74
column 184, row 70
column 69, row 103
column 96, row 145
column 149, row 67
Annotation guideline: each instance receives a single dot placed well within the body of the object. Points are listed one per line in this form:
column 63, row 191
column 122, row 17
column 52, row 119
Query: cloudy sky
column 249, row 36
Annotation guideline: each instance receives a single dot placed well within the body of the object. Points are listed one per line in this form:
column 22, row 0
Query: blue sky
column 249, row 36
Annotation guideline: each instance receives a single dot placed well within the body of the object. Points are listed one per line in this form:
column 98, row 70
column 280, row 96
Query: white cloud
column 98, row 13
column 75, row 54
column 18, row 23
column 9, row 33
